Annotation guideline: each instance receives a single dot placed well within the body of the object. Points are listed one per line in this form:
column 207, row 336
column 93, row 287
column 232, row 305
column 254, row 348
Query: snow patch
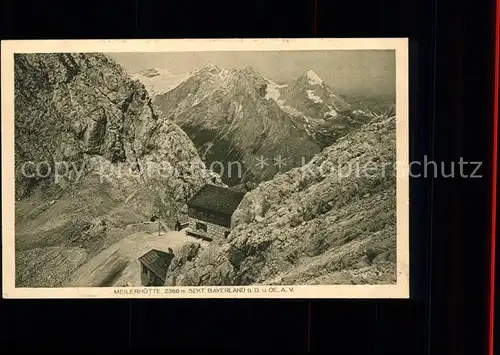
column 275, row 84
column 238, row 115
column 199, row 99
column 313, row 78
column 290, row 110
column 272, row 92
column 311, row 96
column 239, row 111
column 224, row 74
column 331, row 113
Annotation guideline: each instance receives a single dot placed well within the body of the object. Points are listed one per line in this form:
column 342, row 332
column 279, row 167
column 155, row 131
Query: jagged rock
column 72, row 105
column 95, row 144
column 233, row 122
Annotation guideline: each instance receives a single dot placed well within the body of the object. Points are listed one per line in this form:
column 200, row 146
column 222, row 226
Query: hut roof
column 157, row 262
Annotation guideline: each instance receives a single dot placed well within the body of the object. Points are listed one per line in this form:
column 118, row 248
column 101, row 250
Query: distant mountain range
column 157, row 81
column 375, row 103
column 240, row 116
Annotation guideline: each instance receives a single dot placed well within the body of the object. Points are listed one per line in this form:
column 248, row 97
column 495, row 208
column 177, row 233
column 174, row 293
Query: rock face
column 241, row 117
column 92, row 155
column 332, row 221
column 233, row 123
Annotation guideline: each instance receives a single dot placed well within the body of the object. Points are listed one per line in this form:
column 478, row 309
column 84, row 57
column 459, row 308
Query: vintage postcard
column 233, row 168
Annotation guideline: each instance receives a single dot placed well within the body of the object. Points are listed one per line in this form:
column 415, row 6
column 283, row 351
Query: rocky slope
column 230, row 118
column 241, row 116
column 92, row 155
column 332, row 221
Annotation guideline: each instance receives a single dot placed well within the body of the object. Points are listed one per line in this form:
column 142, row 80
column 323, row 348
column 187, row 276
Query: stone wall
column 214, row 231
column 148, row 227
column 148, row 278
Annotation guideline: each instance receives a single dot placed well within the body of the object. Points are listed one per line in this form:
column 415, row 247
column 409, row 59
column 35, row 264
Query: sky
column 369, row 72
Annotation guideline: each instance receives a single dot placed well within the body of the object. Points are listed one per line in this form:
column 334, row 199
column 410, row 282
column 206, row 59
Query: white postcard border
column 399, row 290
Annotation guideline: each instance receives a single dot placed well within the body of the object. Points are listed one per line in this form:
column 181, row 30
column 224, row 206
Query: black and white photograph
column 205, row 168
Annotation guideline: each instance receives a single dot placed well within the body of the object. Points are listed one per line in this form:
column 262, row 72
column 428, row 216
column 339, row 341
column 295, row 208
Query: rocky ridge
column 92, row 155
column 323, row 223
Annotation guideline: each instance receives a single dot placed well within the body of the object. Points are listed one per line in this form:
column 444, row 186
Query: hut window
column 201, row 226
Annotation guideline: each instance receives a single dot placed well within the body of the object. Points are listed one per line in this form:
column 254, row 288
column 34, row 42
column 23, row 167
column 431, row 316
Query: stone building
column 210, row 212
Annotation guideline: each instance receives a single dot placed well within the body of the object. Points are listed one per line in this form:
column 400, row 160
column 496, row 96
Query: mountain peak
column 250, row 69
column 250, row 72
column 312, row 78
column 210, row 65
